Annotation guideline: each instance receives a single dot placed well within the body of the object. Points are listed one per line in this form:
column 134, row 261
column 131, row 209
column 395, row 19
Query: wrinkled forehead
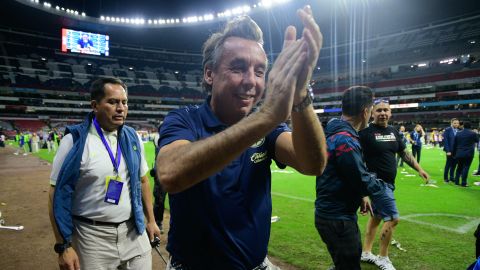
column 237, row 47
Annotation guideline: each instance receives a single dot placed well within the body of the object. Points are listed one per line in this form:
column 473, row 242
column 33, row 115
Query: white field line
column 472, row 221
column 292, row 197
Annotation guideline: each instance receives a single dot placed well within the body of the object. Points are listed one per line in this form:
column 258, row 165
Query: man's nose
column 249, row 77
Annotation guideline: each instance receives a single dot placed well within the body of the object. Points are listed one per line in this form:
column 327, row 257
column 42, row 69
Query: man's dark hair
column 242, row 27
column 467, row 124
column 355, row 99
column 97, row 90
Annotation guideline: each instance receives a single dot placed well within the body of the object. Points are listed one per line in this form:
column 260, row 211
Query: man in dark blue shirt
column 214, row 159
column 416, row 140
column 448, row 139
column 463, row 151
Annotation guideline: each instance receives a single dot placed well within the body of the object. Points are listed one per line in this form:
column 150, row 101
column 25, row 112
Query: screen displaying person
column 85, row 44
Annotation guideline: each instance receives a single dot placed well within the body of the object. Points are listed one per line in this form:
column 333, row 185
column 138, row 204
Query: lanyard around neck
column 115, row 160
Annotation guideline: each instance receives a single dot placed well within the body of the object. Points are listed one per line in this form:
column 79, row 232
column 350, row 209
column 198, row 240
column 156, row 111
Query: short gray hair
column 243, row 27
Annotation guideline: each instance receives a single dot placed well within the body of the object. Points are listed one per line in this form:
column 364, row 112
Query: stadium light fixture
column 266, row 3
column 234, row 11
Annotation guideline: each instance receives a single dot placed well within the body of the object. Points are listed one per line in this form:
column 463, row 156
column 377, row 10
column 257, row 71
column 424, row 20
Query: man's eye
column 260, row 73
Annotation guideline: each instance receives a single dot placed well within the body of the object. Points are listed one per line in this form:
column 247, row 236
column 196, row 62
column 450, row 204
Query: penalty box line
column 472, row 223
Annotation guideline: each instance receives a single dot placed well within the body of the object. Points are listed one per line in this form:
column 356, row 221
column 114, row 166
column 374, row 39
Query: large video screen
column 84, row 42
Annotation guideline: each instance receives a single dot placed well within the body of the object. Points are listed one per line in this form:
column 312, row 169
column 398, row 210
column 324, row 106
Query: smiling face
column 381, row 114
column 111, row 111
column 237, row 80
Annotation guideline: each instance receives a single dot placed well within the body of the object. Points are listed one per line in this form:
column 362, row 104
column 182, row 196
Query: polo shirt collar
column 209, row 118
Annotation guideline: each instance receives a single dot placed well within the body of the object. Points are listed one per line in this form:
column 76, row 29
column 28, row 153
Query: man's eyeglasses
column 381, row 100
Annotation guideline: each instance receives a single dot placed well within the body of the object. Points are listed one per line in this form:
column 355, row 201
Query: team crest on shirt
column 259, row 143
column 134, row 148
column 258, row 157
column 385, row 138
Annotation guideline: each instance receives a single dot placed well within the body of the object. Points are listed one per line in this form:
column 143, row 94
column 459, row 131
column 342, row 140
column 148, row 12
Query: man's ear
column 367, row 113
column 207, row 75
column 93, row 104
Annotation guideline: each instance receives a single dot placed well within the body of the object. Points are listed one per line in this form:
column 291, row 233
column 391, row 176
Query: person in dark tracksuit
column 158, row 192
column 345, row 183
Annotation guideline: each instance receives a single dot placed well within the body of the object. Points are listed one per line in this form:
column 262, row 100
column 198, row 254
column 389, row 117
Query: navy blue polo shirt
column 224, row 221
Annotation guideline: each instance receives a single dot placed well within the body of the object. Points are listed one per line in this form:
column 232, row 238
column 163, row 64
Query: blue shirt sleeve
column 175, row 127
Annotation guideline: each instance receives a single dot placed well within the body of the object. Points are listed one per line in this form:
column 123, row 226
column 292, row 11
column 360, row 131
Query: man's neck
column 354, row 121
column 380, row 125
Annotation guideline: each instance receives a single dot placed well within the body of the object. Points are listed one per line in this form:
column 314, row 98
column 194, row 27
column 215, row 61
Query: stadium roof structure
column 341, row 20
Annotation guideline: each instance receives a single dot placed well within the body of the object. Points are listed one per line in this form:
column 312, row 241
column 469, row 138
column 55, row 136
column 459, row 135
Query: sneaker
column 368, row 257
column 384, row 263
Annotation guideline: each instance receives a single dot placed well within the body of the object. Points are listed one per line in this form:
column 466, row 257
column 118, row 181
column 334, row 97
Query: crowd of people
column 214, row 162
column 32, row 142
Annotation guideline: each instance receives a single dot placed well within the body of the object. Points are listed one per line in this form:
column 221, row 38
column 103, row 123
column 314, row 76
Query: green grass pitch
column 437, row 231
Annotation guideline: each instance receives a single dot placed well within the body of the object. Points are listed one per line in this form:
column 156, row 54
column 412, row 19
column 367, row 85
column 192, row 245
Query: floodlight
column 266, row 3
column 83, row 14
column 108, row 19
column 127, row 20
column 155, row 22
column 246, row 9
column 57, row 8
column 122, row 20
column 177, row 20
column 150, row 21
